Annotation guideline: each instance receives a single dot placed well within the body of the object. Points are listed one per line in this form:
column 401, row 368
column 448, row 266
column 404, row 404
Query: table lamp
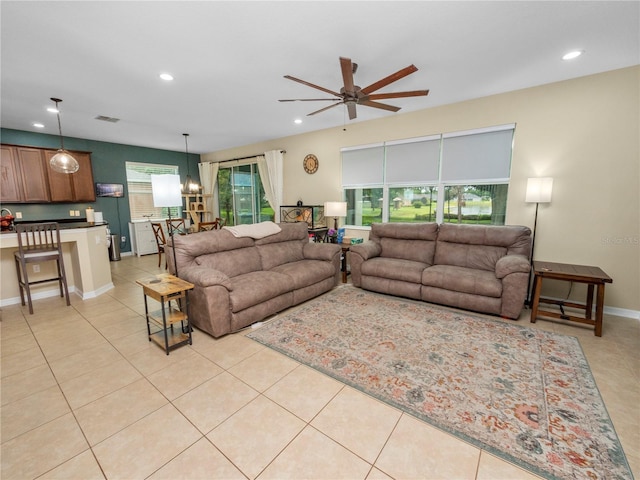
column 335, row 210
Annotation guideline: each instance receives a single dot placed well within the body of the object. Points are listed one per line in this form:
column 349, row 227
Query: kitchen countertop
column 68, row 225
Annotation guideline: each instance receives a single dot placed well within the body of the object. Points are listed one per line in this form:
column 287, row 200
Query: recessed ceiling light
column 166, row 76
column 573, row 54
column 38, row 125
column 297, row 121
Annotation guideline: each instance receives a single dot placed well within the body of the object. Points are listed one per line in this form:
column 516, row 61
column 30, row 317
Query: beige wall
column 584, row 133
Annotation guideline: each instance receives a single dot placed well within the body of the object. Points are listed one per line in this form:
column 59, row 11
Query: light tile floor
column 86, row 396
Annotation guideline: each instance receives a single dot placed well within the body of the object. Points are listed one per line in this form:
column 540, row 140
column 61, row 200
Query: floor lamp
column 538, row 191
column 166, row 190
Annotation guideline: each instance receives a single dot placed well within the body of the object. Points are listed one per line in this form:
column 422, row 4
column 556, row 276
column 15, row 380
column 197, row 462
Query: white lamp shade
column 166, row 190
column 539, row 190
column 335, row 209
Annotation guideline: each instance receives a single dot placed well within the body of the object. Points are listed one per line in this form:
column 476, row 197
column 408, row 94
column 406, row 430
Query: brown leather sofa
column 240, row 281
column 473, row 267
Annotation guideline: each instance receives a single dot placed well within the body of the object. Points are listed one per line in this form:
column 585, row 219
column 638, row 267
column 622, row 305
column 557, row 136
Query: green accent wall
column 108, row 165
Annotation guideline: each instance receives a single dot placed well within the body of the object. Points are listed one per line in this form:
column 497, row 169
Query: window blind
column 477, row 156
column 413, row 162
column 363, row 166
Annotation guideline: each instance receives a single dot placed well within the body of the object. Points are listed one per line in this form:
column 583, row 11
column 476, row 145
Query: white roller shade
column 363, row 166
column 477, row 156
column 416, row 161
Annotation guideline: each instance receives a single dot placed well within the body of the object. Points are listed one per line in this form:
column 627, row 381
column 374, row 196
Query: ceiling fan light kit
column 352, row 95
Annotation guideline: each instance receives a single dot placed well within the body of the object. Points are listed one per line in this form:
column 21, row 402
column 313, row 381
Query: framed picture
column 109, row 189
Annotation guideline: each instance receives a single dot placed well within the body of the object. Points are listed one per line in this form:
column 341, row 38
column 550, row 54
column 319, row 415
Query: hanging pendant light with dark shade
column 62, row 161
column 189, row 185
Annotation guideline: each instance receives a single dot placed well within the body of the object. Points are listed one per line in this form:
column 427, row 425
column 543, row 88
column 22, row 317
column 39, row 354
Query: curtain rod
column 247, row 157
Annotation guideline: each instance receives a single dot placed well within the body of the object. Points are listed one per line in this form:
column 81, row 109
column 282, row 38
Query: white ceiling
column 229, row 58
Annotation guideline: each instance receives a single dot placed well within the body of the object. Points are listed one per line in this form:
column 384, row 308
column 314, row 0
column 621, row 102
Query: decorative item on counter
column 6, row 220
column 355, row 241
column 332, row 236
column 299, row 203
column 340, row 235
column 91, row 218
column 98, row 217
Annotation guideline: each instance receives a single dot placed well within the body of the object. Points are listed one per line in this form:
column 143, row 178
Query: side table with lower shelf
column 592, row 276
column 166, row 288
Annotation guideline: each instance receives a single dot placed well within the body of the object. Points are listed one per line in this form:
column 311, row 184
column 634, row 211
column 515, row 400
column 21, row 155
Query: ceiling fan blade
column 383, row 106
column 413, row 93
column 351, row 108
column 347, row 76
column 323, row 109
column 394, row 77
column 311, row 100
column 326, row 90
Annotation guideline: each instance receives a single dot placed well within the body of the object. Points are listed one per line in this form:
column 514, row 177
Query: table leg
column 589, row 306
column 599, row 310
column 537, row 287
column 344, row 267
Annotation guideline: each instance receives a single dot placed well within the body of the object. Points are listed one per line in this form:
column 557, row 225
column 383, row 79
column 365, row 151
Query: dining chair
column 217, row 224
column 160, row 241
column 176, row 225
column 37, row 243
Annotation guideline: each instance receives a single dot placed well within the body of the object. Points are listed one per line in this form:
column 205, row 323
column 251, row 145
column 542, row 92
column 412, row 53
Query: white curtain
column 271, row 167
column 209, row 179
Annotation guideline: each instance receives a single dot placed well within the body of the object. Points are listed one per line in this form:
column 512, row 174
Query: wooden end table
column 343, row 259
column 166, row 288
column 592, row 276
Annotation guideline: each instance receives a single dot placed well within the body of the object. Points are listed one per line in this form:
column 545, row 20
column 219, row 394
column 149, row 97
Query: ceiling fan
column 352, row 95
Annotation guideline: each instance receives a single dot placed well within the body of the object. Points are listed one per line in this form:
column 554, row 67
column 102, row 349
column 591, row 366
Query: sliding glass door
column 241, row 195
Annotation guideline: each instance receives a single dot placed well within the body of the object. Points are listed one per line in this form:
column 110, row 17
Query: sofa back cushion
column 479, row 246
column 190, row 247
column 232, row 262
column 408, row 241
column 283, row 247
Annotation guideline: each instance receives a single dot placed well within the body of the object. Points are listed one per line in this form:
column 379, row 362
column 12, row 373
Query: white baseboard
column 55, row 292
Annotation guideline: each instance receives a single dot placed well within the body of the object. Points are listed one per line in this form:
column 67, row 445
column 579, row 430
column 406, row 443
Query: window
column 460, row 177
column 241, row 195
column 140, row 195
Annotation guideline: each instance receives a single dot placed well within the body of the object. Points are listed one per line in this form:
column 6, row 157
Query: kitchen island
column 86, row 261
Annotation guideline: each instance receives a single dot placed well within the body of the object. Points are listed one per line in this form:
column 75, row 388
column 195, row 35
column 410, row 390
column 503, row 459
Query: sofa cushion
column 274, row 254
column 256, row 287
column 483, row 257
column 463, row 280
column 232, row 262
column 480, row 246
column 394, row 268
column 306, row 272
column 409, row 241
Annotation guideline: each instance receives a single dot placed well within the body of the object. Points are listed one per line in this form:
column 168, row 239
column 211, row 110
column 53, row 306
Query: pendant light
column 189, row 186
column 62, row 161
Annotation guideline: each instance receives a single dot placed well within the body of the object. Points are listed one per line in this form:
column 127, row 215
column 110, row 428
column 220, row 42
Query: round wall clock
column 310, row 163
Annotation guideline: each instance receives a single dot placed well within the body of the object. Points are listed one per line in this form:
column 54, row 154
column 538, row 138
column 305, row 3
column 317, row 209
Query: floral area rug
column 525, row 395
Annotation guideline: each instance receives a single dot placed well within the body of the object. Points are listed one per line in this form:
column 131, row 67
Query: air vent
column 107, row 119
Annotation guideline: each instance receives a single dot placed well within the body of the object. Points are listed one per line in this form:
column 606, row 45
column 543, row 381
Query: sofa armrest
column 366, row 250
column 512, row 264
column 205, row 277
column 320, row 251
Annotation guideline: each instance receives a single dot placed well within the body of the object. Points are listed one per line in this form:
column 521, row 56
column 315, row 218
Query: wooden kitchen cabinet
column 74, row 187
column 23, row 175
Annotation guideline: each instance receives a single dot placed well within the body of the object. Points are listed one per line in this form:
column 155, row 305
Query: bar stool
column 39, row 242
